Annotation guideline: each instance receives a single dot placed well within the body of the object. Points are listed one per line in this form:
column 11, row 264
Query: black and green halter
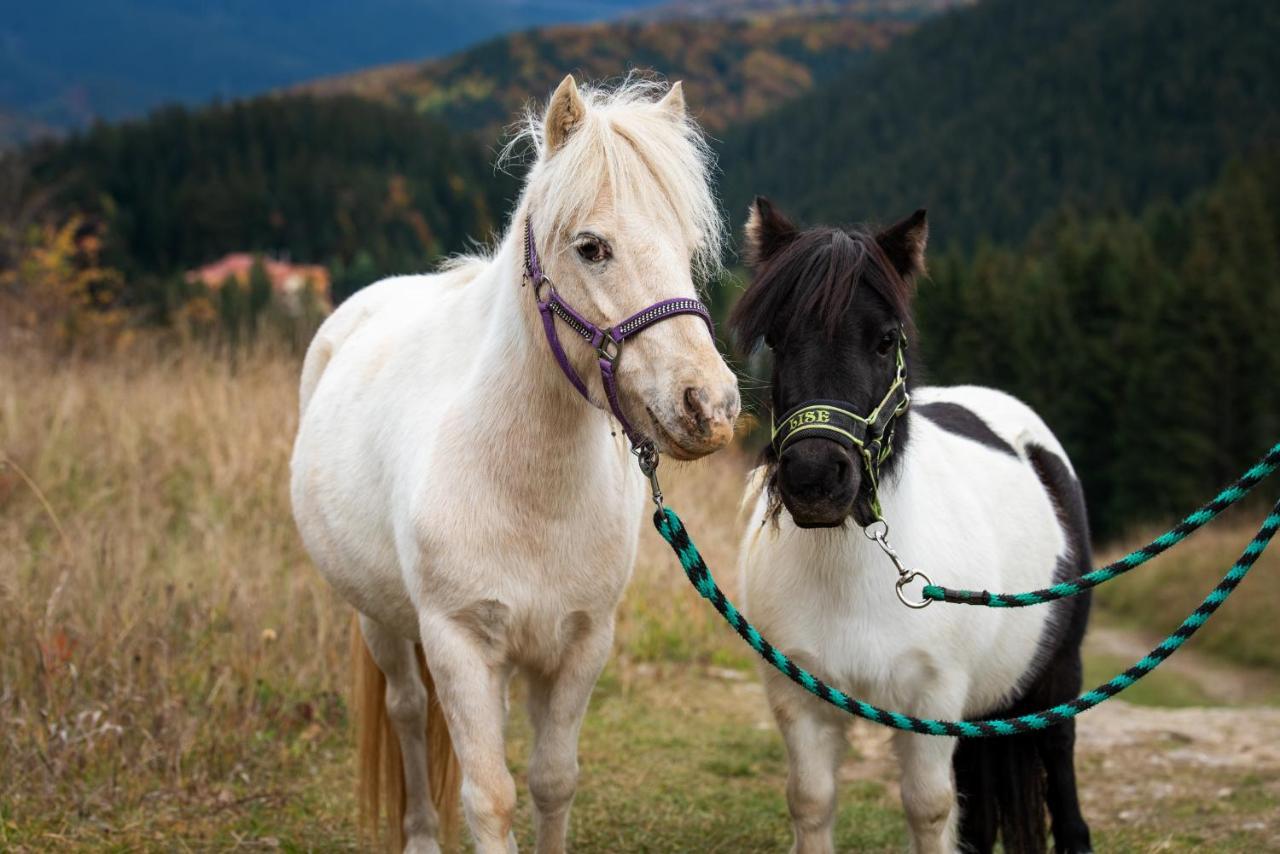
column 871, row 436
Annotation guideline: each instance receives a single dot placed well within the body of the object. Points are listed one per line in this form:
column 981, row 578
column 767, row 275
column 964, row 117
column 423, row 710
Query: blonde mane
column 637, row 149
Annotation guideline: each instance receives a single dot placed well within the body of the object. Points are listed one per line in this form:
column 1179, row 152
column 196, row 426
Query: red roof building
column 288, row 281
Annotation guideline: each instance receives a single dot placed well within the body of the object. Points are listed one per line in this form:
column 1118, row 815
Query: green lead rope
column 1192, row 523
column 673, row 531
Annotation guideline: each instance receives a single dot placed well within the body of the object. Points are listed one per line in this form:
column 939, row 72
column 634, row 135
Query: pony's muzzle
column 699, row 420
column 818, row 479
column 709, row 414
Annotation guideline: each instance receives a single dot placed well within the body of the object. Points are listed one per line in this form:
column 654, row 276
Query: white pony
column 450, row 483
column 977, row 492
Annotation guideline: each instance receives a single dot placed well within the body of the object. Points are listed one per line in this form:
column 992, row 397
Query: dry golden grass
column 173, row 673
column 164, row 639
column 167, row 648
column 1159, row 595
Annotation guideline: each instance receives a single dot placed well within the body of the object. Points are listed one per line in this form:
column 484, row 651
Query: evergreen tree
column 1147, row 343
column 259, row 294
column 233, row 309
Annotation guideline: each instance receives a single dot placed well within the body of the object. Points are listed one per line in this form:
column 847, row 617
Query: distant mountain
column 388, row 181
column 750, row 8
column 733, row 68
column 18, row 128
column 64, row 62
column 997, row 115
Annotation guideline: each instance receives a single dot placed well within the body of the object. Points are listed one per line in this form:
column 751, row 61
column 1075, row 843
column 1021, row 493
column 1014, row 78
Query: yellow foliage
column 58, row 290
column 732, row 62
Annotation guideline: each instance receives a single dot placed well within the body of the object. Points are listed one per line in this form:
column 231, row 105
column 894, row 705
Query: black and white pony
column 975, row 490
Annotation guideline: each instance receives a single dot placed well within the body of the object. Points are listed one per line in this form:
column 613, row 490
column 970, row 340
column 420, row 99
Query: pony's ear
column 564, row 113
column 673, row 101
column 904, row 243
column 767, row 231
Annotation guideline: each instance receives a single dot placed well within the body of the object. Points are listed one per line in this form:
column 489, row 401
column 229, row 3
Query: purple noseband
column 607, row 341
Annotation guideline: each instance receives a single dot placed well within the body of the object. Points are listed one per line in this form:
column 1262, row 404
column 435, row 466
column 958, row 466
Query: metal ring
column 603, row 351
column 906, row 579
column 879, row 533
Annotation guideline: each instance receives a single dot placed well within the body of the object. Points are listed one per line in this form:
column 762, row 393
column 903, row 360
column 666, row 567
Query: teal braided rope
column 673, row 531
column 1206, row 514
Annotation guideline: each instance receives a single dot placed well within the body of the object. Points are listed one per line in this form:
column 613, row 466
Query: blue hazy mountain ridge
column 66, row 62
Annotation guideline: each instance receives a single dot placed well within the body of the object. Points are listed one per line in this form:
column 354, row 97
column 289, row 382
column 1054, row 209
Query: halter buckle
column 610, row 350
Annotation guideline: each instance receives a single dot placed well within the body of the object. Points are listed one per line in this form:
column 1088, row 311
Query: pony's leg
column 928, row 791
column 470, row 676
column 815, row 741
column 1057, row 752
column 557, row 704
column 407, row 710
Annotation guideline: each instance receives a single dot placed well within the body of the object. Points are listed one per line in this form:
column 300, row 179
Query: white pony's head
column 624, row 216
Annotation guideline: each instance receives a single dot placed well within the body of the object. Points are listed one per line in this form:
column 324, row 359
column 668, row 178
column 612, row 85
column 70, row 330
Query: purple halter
column 607, row 341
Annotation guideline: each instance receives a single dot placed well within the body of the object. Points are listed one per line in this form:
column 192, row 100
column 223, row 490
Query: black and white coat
column 982, row 496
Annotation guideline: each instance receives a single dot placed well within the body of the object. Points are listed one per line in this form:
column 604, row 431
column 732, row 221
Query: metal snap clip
column 903, row 581
column 647, row 458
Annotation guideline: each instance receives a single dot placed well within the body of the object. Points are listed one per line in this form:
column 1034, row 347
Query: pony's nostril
column 697, row 406
column 842, row 470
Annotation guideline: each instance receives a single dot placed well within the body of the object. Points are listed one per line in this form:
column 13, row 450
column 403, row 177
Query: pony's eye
column 887, row 343
column 593, row 250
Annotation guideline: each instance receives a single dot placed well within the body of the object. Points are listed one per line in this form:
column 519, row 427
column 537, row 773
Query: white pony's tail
column 380, row 778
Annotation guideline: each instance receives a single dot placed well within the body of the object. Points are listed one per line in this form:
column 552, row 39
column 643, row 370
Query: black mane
column 805, row 287
column 813, row 279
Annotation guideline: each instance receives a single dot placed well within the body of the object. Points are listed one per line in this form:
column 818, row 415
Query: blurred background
column 187, row 189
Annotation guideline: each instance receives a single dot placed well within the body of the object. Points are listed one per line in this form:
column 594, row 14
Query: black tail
column 1000, row 784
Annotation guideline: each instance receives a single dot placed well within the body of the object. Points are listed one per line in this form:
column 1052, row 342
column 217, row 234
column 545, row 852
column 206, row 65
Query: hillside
column 751, row 8
column 997, row 115
column 733, row 69
column 1147, row 342
column 17, row 128
column 66, row 62
column 337, row 181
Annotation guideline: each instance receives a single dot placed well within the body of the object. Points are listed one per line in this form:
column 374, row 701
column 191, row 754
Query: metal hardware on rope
column 673, row 531
column 880, row 535
column 647, row 458
column 1269, row 463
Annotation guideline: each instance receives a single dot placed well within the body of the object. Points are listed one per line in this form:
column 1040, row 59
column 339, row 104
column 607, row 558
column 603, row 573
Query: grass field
column 173, row 673
column 1158, row 595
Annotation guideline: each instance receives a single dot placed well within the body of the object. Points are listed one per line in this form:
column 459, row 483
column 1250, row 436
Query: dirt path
column 1225, row 683
column 1184, row 777
column 1152, row 778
